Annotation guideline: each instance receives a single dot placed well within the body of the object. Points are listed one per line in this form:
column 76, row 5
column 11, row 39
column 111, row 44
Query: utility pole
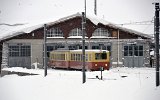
column 83, row 48
column 95, row 7
column 85, row 10
column 118, row 48
column 1, row 46
column 45, row 51
column 156, row 26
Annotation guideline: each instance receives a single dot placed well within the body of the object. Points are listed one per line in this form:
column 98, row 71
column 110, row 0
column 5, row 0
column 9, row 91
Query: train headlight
column 95, row 64
column 105, row 64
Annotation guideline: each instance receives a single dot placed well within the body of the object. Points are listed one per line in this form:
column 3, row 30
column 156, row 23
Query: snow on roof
column 93, row 18
column 96, row 20
column 22, row 31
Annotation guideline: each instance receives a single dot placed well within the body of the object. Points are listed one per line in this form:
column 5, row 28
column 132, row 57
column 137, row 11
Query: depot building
column 128, row 48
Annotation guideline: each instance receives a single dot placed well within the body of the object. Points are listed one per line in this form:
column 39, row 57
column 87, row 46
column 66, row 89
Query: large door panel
column 19, row 55
column 133, row 55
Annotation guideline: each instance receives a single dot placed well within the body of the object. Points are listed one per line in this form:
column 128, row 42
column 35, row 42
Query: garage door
column 133, row 55
column 19, row 55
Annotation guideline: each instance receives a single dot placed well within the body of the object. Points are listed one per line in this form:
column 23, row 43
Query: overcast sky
column 116, row 11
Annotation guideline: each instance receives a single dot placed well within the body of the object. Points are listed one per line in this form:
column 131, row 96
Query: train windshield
column 101, row 56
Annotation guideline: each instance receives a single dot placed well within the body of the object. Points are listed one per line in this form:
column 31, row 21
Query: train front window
column 100, row 56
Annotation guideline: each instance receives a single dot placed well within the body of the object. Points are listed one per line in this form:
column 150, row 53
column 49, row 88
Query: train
column 72, row 59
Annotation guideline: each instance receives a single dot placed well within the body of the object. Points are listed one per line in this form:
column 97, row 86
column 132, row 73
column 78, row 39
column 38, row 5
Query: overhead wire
column 17, row 24
column 149, row 22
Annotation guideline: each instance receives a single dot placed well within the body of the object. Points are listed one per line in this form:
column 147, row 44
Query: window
column 49, row 49
column 103, row 47
column 89, row 57
column 19, row 51
column 76, row 32
column 54, row 32
column 101, row 32
column 125, row 50
column 13, row 51
column 79, row 57
column 100, row 56
column 133, row 50
column 25, row 51
column 86, row 57
column 95, row 47
column 57, row 56
column 109, row 48
column 140, row 50
column 73, row 57
column 80, row 47
column 130, row 51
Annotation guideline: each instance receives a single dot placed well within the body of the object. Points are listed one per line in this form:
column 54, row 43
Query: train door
column 67, row 59
column 133, row 55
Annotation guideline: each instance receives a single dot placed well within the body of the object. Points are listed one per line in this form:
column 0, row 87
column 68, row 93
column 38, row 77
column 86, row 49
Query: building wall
column 147, row 54
column 116, row 56
column 134, row 60
column 37, row 52
column 4, row 55
column 36, row 49
column 35, row 39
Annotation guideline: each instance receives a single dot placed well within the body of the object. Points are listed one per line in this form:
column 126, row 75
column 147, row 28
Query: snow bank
column 139, row 84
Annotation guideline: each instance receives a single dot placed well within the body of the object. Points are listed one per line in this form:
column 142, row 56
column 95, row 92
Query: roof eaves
column 10, row 36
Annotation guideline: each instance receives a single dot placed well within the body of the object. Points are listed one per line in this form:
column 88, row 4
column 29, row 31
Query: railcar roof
column 80, row 50
column 96, row 50
column 60, row 51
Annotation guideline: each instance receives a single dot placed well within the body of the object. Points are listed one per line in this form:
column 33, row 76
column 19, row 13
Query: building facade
column 127, row 47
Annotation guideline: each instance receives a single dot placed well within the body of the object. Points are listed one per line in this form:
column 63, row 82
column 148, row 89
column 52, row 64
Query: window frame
column 133, row 50
column 19, row 50
column 102, row 32
column 75, row 32
column 54, row 32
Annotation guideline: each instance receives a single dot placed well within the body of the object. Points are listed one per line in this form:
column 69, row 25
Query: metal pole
column 83, row 48
column 133, row 53
column 157, row 41
column 45, row 51
column 85, row 10
column 118, row 50
column 95, row 7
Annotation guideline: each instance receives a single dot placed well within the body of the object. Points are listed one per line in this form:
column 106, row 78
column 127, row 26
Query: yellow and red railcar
column 94, row 59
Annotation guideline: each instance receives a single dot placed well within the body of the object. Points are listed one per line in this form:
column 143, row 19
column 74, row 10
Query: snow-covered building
column 25, row 47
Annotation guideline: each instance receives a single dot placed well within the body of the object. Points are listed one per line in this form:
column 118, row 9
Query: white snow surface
column 67, row 85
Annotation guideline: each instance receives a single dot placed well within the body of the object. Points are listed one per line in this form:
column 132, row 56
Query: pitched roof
column 94, row 19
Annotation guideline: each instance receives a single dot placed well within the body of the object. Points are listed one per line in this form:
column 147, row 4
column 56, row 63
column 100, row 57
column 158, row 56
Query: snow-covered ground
column 117, row 84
